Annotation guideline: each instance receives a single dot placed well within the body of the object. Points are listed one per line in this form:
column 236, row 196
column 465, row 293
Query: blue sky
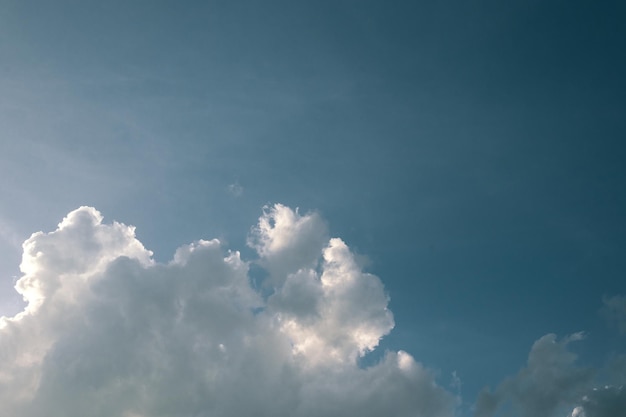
column 472, row 153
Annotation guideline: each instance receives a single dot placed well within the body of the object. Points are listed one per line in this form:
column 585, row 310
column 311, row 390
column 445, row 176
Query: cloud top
column 108, row 331
column 287, row 241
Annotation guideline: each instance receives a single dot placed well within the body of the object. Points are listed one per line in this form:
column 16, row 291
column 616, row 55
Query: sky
column 313, row 208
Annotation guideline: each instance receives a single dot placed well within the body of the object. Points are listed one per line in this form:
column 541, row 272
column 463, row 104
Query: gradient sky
column 472, row 152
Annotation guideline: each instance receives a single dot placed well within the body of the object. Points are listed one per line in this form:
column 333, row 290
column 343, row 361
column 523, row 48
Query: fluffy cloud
column 287, row 241
column 109, row 332
column 339, row 314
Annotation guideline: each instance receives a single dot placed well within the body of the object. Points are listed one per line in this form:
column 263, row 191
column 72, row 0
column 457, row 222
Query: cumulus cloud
column 287, row 241
column 339, row 314
column 552, row 384
column 109, row 332
column 549, row 381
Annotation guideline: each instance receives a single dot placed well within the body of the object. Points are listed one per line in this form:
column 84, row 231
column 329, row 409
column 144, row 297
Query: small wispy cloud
column 614, row 309
column 9, row 234
column 235, row 189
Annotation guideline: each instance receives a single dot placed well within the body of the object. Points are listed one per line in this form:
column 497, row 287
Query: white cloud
column 287, row 241
column 335, row 316
column 109, row 332
column 80, row 248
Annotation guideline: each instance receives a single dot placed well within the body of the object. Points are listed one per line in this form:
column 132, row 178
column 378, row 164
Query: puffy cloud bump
column 109, row 332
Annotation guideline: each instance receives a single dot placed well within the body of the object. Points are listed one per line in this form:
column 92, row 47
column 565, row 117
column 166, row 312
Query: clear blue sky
column 472, row 151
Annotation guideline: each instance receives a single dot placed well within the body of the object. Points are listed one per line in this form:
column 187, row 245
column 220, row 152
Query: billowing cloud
column 552, row 384
column 109, row 332
column 287, row 241
column 549, row 381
